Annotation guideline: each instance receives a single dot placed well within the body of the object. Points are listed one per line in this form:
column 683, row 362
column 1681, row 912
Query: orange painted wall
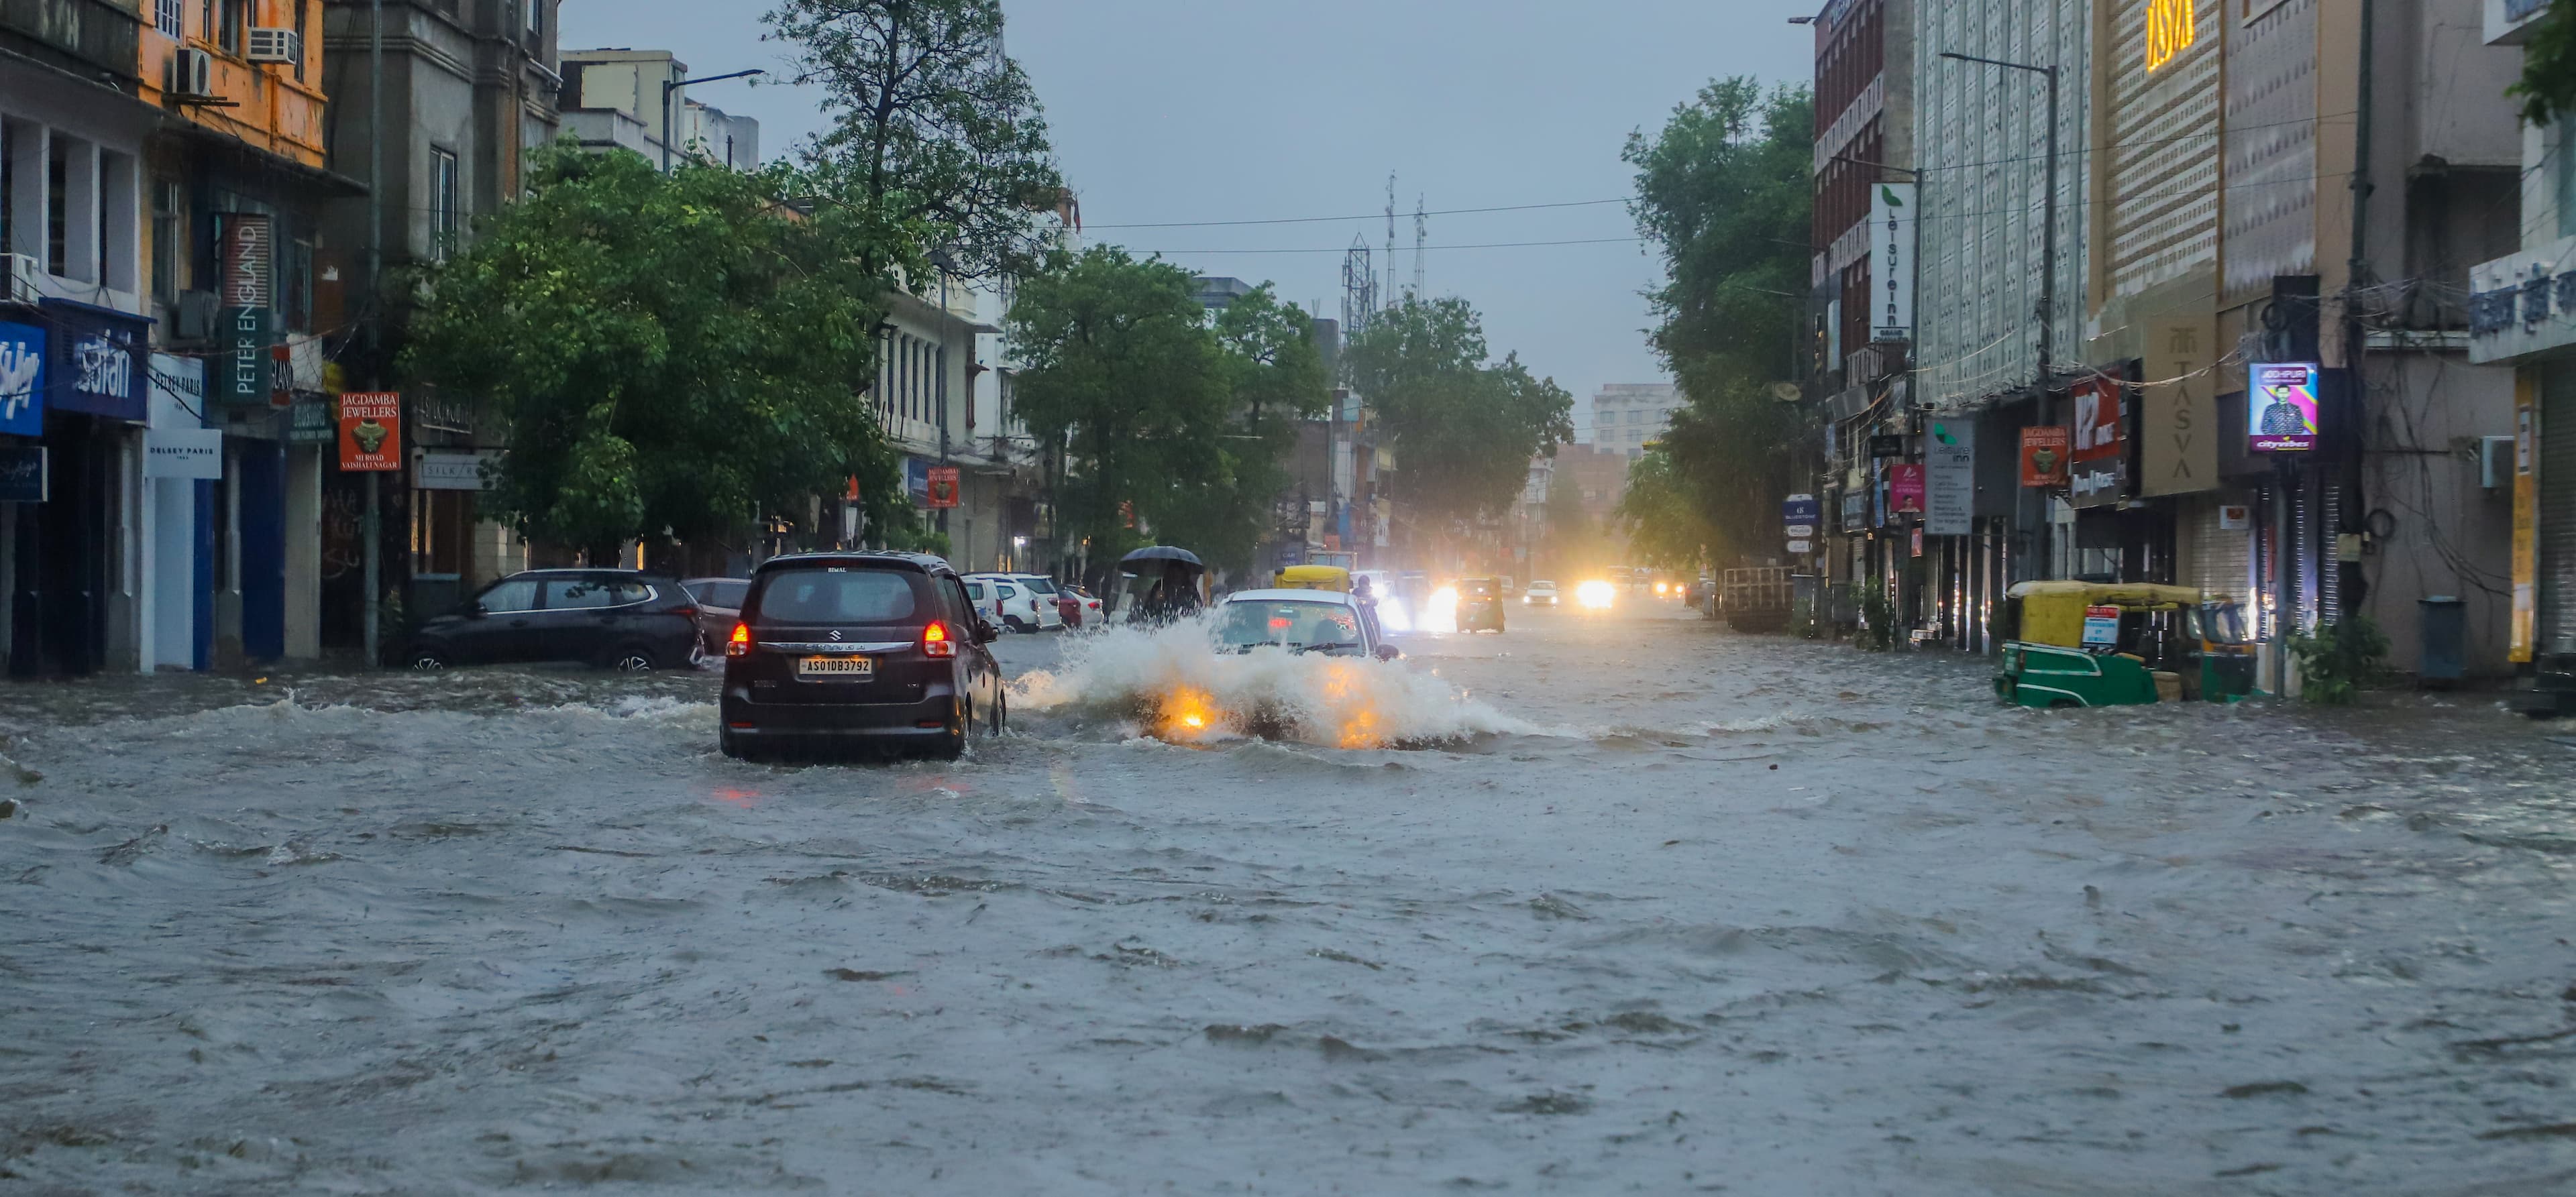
column 275, row 111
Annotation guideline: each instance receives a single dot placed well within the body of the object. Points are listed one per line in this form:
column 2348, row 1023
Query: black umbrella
column 1161, row 552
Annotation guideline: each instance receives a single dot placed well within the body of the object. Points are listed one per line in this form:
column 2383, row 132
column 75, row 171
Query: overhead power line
column 1210, row 224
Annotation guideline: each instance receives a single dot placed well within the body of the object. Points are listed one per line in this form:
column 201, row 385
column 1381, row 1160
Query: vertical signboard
column 1905, row 488
column 2043, row 456
column 1949, row 477
column 25, row 475
column 244, row 284
column 2281, row 407
column 371, row 432
column 22, row 379
column 1891, row 264
column 941, row 490
column 2526, row 517
column 2098, row 460
column 2177, row 421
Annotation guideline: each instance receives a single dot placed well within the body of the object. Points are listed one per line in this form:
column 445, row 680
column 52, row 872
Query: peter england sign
column 242, row 374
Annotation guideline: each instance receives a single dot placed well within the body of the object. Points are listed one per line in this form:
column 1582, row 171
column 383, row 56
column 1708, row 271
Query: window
column 228, row 19
column 302, row 36
column 167, row 240
column 593, row 594
column 510, row 594
column 169, row 18
column 58, row 227
column 836, row 596
column 442, row 203
column 536, row 15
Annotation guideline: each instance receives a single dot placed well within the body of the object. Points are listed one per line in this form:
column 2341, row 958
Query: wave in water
column 1173, row 684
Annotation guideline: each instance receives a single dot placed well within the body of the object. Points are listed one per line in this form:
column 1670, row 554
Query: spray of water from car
column 1177, row 684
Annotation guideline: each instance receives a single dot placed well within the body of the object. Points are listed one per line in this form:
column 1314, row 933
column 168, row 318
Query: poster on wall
column 2281, row 407
column 1905, row 488
column 371, row 431
column 22, row 379
column 2097, row 469
column 942, row 487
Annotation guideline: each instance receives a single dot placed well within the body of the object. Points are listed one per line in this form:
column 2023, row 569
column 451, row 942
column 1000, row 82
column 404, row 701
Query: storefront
column 77, row 553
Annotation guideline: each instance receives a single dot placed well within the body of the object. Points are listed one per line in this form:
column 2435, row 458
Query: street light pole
column 672, row 85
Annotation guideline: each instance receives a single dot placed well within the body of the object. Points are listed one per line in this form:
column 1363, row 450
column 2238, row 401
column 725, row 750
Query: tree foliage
column 670, row 354
column 1464, row 427
column 1724, row 190
column 934, row 127
column 1158, row 413
column 2547, row 88
column 1660, row 513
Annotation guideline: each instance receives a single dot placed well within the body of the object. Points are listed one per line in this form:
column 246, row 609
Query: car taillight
column 935, row 641
column 685, row 612
column 739, row 644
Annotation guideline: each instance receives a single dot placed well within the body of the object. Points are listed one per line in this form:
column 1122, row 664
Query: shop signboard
column 436, row 470
column 183, row 453
column 2043, row 456
column 1949, row 477
column 1801, row 547
column 2101, row 628
column 1802, row 530
column 244, row 287
column 1905, row 488
column 2525, row 626
column 98, row 365
column 22, row 379
column 313, row 422
column 941, row 487
column 1918, row 540
column 2281, row 407
column 24, row 474
column 2177, row 415
column 2235, row 517
column 1800, row 509
column 2097, row 470
column 1891, row 247
column 1887, row 444
column 1855, row 511
column 371, row 432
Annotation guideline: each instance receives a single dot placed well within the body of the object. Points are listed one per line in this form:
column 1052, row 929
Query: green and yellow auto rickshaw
column 2089, row 644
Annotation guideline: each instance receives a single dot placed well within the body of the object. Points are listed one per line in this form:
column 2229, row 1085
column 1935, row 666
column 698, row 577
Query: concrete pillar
column 80, row 202
column 304, row 552
column 29, row 143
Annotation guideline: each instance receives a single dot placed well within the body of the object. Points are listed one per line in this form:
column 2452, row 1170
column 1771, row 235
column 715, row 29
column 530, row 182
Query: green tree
column 934, row 127
column 671, row 355
column 2547, row 88
column 1464, row 427
column 1724, row 190
column 1274, row 380
column 1124, row 377
column 1661, row 513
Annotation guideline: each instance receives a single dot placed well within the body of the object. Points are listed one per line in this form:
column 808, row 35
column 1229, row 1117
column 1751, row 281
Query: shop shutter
column 2557, row 528
column 2219, row 557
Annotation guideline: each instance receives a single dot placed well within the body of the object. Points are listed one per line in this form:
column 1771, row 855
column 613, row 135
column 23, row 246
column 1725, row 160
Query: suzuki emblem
column 836, row 634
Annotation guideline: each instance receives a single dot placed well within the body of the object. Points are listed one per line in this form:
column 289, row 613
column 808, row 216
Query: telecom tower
column 1421, row 234
column 1390, row 239
column 1359, row 287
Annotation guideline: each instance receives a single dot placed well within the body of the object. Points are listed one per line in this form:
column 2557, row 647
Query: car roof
column 1333, row 597
column 925, row 562
column 587, row 571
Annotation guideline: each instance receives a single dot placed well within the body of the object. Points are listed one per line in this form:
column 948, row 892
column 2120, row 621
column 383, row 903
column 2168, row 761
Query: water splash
column 1172, row 684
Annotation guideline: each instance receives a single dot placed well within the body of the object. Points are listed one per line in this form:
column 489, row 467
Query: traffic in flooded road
column 1615, row 899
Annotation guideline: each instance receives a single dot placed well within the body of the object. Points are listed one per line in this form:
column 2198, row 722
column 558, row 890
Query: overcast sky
column 1231, row 110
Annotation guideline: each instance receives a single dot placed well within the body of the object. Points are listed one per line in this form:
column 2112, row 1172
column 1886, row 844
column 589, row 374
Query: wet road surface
column 1662, row 909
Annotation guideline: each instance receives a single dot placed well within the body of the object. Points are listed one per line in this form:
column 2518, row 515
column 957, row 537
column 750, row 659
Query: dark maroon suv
column 848, row 649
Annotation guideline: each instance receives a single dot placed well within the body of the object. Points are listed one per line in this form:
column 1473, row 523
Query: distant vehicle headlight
column 1597, row 595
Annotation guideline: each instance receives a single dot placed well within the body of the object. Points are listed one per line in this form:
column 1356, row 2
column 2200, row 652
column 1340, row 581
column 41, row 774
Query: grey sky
column 1213, row 110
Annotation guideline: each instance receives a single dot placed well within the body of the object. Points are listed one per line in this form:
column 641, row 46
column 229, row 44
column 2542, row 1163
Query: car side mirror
column 1388, row 652
column 985, row 632
column 475, row 610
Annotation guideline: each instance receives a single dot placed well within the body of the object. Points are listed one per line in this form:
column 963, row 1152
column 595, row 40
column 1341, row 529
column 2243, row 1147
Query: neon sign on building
column 2171, row 29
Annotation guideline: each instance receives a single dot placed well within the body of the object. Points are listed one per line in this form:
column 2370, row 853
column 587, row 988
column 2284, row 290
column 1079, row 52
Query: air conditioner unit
column 192, row 74
column 2495, row 462
column 276, row 45
column 20, row 271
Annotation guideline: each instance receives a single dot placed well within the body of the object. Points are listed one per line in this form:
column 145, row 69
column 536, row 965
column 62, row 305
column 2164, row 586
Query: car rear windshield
column 1045, row 586
column 720, row 593
column 837, row 594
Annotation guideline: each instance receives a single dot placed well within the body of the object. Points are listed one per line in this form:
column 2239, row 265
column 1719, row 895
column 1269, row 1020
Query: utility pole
column 372, row 533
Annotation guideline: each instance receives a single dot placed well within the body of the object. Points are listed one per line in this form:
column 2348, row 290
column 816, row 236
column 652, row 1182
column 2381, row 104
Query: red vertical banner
column 371, row 432
column 943, row 487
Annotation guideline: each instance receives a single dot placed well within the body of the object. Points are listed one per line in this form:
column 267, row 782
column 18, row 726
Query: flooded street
column 1658, row 909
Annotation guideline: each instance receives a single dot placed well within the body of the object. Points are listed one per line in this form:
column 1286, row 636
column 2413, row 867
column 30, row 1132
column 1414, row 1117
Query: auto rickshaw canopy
column 2053, row 612
column 1315, row 577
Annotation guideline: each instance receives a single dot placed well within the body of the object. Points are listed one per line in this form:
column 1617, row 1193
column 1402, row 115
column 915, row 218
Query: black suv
column 850, row 648
column 617, row 618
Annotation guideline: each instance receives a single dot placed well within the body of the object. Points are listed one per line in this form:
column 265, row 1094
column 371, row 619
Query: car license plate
column 839, row 669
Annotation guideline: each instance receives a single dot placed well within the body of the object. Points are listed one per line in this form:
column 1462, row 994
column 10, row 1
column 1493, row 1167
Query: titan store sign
column 246, row 257
column 2172, row 27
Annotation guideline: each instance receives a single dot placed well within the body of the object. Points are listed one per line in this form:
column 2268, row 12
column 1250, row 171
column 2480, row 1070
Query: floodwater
column 1604, row 904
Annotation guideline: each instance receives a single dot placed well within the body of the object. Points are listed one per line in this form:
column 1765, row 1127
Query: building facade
column 638, row 100
column 1628, row 416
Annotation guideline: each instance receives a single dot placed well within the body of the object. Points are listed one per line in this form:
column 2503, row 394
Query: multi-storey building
column 638, row 99
column 1628, row 416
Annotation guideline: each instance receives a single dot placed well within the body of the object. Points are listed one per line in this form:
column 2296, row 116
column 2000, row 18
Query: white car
column 1011, row 603
column 1050, row 596
column 1541, row 593
column 1327, row 622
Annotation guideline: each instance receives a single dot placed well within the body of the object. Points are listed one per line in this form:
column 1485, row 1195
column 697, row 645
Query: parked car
column 837, row 649
column 1086, row 605
column 1018, row 606
column 617, row 618
column 719, row 607
column 1048, row 594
